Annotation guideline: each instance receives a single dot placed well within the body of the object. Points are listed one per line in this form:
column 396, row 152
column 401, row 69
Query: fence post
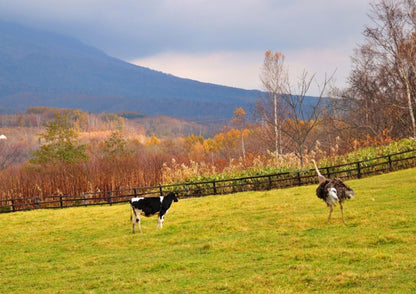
column 85, row 199
column 270, row 182
column 358, row 170
column 242, row 185
column 390, row 163
column 187, row 189
column 160, row 190
column 110, row 201
column 299, row 179
column 37, row 202
column 13, row 207
column 60, row 200
column 215, row 188
column 135, row 192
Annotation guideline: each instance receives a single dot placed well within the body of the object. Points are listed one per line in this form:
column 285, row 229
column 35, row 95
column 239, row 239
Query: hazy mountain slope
column 45, row 69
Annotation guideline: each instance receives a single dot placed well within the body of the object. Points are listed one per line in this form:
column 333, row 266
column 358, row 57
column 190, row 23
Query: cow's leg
column 136, row 219
column 133, row 218
column 138, row 223
column 159, row 222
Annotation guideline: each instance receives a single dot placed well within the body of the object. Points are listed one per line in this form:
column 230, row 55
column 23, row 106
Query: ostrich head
column 349, row 193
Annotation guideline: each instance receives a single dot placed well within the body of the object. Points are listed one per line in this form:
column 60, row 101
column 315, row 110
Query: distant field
column 255, row 242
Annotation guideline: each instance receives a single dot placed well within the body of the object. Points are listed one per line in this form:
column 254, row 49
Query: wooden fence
column 352, row 170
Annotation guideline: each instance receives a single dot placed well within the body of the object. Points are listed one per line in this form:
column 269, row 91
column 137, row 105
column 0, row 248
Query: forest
column 52, row 151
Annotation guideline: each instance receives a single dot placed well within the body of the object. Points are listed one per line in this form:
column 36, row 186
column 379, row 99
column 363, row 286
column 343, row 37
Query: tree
column 383, row 79
column 274, row 78
column 227, row 144
column 12, row 152
column 61, row 143
column 294, row 115
column 115, row 145
column 304, row 114
column 239, row 119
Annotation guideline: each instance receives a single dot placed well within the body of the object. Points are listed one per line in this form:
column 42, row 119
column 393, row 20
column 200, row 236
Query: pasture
column 275, row 241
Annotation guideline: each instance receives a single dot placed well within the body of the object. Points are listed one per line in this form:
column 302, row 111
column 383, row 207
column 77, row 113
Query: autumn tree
column 239, row 119
column 227, row 144
column 210, row 147
column 194, row 147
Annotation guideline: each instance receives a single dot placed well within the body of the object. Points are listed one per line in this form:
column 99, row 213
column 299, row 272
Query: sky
column 216, row 41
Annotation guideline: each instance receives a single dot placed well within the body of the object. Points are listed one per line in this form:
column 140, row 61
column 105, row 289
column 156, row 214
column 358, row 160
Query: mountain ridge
column 39, row 68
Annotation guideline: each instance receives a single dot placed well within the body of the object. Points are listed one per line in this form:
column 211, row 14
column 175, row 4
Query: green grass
column 255, row 242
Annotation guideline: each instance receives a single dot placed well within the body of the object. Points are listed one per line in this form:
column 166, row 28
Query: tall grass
column 136, row 165
column 270, row 163
column 255, row 242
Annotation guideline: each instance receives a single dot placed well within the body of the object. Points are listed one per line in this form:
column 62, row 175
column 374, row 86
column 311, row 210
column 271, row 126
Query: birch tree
column 239, row 119
column 391, row 38
column 286, row 108
column 274, row 78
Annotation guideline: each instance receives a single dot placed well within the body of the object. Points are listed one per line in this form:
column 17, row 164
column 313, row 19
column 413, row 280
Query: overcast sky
column 217, row 41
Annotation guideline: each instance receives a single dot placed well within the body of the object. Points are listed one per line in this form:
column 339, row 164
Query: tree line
column 382, row 85
column 378, row 104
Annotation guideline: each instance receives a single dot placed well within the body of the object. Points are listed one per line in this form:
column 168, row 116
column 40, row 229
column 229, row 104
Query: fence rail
column 359, row 169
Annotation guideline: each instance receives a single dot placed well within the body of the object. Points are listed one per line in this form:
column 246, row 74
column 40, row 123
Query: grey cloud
column 130, row 28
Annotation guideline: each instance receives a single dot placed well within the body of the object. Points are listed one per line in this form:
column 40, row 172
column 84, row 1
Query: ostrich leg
column 342, row 212
column 330, row 212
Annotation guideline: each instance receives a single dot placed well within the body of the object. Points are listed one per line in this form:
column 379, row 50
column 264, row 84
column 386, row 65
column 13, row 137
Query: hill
column 39, row 68
column 254, row 242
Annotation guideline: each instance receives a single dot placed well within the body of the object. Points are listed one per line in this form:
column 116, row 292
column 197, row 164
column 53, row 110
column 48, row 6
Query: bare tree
column 304, row 113
column 239, row 119
column 391, row 39
column 287, row 109
column 274, row 78
column 372, row 100
column 13, row 152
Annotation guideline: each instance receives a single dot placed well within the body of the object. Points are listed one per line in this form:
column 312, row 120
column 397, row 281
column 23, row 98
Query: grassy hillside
column 254, row 242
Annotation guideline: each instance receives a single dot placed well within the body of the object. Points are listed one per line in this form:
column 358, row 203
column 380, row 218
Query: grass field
column 255, row 242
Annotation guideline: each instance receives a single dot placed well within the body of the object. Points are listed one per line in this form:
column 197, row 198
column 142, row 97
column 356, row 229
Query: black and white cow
column 149, row 206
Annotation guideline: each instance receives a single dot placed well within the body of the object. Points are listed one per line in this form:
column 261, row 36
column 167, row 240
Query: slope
column 255, row 242
column 39, row 68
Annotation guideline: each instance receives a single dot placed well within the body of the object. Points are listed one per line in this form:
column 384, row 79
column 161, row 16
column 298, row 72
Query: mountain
column 39, row 68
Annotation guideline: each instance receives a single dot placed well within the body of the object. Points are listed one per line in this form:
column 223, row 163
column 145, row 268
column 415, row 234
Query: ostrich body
column 332, row 191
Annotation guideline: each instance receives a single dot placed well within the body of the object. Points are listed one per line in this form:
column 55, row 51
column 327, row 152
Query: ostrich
column 332, row 191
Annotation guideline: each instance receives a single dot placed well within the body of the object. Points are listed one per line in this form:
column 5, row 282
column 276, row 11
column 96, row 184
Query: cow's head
column 172, row 195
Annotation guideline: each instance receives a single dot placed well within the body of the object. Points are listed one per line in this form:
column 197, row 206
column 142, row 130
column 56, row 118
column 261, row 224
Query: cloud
column 230, row 68
column 242, row 69
column 131, row 28
column 324, row 63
